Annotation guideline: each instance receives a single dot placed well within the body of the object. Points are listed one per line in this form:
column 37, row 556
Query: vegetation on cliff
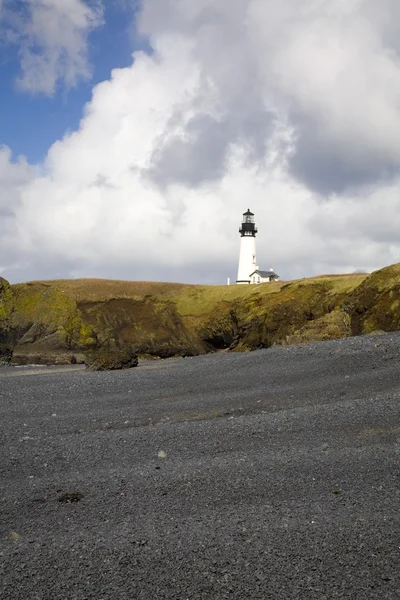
column 6, row 309
column 69, row 320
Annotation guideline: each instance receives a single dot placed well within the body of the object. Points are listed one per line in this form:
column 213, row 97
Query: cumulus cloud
column 14, row 176
column 289, row 108
column 53, row 38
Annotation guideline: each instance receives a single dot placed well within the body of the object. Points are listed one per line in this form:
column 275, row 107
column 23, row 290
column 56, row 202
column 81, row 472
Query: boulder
column 112, row 357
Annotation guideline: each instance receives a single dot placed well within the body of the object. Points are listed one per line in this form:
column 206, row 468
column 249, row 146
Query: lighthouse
column 247, row 256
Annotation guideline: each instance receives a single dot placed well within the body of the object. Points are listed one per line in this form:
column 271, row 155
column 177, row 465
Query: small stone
column 70, row 498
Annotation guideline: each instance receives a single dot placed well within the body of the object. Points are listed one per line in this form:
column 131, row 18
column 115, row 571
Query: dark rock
column 112, row 357
column 69, row 498
column 5, row 355
column 151, row 325
column 220, row 329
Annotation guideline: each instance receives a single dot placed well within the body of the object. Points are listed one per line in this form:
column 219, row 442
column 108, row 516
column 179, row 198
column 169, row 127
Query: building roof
column 264, row 273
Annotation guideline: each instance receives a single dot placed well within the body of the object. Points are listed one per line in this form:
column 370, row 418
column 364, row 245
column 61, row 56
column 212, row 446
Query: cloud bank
column 289, row 108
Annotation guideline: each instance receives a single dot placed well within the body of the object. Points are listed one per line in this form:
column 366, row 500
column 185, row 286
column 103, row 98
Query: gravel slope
column 273, row 474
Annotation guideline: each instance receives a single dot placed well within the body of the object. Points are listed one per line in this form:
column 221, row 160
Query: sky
column 135, row 133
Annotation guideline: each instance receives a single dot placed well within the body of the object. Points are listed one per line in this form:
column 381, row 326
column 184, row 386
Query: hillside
column 63, row 320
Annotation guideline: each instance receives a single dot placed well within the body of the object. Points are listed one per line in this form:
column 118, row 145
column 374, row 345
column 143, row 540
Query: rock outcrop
column 111, row 357
column 59, row 322
column 40, row 323
column 6, row 307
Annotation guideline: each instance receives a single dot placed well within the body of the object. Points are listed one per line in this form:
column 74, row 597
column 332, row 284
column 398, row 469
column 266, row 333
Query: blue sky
column 30, row 123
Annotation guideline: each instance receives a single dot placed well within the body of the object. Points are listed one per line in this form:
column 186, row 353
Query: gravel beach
column 272, row 474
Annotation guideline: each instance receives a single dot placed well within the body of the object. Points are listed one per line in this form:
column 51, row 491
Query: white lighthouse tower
column 247, row 256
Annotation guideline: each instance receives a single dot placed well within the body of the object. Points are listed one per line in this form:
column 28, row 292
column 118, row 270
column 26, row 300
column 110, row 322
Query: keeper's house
column 263, row 276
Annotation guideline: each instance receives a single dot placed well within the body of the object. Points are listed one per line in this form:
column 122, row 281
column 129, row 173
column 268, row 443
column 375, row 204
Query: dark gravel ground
column 273, row 474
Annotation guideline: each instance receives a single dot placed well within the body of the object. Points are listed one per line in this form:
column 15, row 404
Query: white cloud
column 288, row 108
column 14, row 177
column 53, row 38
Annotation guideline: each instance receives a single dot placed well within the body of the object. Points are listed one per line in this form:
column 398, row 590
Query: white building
column 263, row 276
column 248, row 270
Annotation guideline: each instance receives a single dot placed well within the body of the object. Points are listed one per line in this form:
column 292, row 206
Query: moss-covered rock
column 268, row 320
column 6, row 299
column 375, row 304
column 6, row 308
column 220, row 330
column 151, row 325
column 333, row 325
column 45, row 326
column 66, row 321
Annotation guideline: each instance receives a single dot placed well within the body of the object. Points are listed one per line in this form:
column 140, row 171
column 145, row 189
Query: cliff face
column 40, row 325
column 43, row 324
column 375, row 304
column 58, row 322
column 6, row 307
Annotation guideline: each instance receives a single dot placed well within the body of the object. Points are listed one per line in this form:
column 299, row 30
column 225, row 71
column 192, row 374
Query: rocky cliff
column 56, row 322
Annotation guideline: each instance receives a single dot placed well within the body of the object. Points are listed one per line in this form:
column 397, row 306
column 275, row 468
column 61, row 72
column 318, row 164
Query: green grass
column 201, row 300
column 100, row 290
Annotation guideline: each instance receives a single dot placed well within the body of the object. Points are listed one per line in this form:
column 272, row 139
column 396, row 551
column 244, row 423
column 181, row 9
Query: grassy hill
column 53, row 321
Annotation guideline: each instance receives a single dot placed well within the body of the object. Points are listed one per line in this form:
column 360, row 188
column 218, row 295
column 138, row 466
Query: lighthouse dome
column 248, row 227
